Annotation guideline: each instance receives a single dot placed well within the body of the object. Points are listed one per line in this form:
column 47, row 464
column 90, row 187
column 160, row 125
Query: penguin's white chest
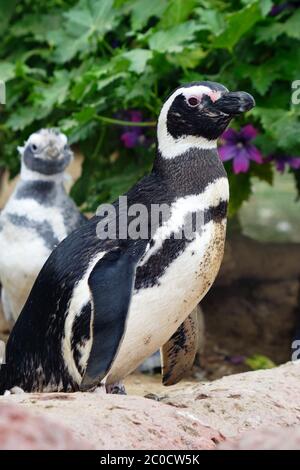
column 155, row 313
column 22, row 255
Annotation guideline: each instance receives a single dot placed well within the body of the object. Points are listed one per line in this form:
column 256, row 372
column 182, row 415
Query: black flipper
column 111, row 283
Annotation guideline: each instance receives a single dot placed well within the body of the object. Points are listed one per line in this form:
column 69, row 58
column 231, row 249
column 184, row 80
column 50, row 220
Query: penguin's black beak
column 233, row 103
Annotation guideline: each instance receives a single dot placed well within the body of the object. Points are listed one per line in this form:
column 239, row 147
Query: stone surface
column 252, row 400
column 186, row 416
column 120, row 422
column 266, row 439
column 22, row 430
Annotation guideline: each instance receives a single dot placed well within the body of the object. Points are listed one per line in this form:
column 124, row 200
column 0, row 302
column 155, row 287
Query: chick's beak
column 53, row 151
column 233, row 103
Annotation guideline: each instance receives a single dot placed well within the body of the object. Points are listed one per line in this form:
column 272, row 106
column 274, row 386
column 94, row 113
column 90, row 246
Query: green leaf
column 281, row 125
column 7, row 71
column 177, row 12
column 85, row 24
column 292, row 26
column 143, row 10
column 212, row 19
column 187, row 59
column 138, row 59
column 240, row 190
column 262, row 76
column 54, row 93
column 173, row 39
column 85, row 115
column 37, row 25
column 263, row 172
column 265, row 6
column 21, row 118
column 258, row 361
column 237, row 25
column 7, row 8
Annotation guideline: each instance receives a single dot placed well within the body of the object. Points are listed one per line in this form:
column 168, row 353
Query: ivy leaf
column 7, row 8
column 281, row 125
column 212, row 19
column 174, row 39
column 177, row 12
column 261, row 76
column 237, row 25
column 143, row 10
column 187, row 59
column 87, row 21
column 22, row 118
column 292, row 26
column 138, row 59
column 7, row 71
column 265, row 6
column 54, row 93
column 85, row 115
column 36, row 26
column 271, row 32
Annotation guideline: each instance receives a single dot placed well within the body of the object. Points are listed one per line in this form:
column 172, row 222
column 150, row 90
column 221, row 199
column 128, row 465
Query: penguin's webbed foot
column 116, row 389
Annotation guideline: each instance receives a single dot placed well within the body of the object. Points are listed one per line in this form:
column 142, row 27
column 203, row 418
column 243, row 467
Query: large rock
column 236, row 403
column 22, row 430
column 118, row 422
column 266, row 439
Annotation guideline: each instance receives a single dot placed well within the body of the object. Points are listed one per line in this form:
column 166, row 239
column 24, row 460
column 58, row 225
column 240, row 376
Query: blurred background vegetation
column 99, row 70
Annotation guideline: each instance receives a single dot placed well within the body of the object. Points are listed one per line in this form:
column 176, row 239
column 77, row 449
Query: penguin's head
column 46, row 152
column 197, row 114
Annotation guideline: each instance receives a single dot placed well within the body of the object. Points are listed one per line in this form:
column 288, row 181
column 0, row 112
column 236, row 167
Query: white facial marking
column 167, row 145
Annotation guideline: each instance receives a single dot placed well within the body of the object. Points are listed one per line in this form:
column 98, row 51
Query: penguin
column 101, row 305
column 36, row 218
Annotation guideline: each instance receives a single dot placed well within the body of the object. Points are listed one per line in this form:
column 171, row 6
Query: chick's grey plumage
column 36, row 218
column 101, row 306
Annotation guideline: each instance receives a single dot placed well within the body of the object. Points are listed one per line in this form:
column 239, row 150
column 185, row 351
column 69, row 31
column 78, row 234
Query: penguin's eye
column 193, row 101
column 33, row 147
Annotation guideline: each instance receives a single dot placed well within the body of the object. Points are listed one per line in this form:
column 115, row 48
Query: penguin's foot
column 116, row 389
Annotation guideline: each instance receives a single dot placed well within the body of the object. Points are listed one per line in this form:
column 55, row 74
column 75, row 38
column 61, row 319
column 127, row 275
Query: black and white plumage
column 36, row 218
column 100, row 307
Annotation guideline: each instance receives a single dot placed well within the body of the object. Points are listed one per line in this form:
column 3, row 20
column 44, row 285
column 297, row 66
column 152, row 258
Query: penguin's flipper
column 178, row 354
column 111, row 283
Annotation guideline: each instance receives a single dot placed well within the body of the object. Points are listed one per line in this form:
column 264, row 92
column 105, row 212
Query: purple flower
column 132, row 136
column 277, row 9
column 236, row 360
column 237, row 146
column 281, row 161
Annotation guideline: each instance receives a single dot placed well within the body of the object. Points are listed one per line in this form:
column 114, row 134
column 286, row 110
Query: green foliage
column 258, row 361
column 78, row 64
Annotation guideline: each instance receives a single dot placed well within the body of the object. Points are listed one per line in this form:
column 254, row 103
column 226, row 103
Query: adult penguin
column 102, row 304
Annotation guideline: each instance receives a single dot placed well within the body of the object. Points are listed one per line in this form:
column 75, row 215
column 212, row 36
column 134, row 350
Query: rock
column 266, row 439
column 236, row 403
column 22, row 430
column 118, row 422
